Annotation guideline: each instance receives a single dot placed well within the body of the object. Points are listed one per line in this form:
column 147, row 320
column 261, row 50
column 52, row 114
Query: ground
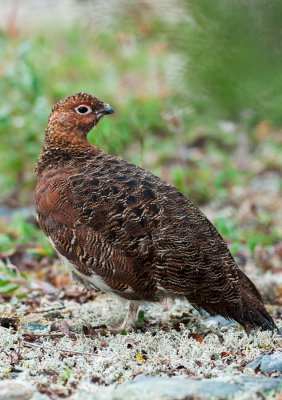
column 63, row 347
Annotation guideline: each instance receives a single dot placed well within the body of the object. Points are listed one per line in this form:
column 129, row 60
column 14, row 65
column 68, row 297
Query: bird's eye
column 83, row 109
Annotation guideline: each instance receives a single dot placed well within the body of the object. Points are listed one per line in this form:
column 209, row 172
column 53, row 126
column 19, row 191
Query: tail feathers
column 248, row 285
column 252, row 313
column 249, row 312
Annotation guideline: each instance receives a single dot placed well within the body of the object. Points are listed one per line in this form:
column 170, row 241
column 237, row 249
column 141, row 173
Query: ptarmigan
column 122, row 230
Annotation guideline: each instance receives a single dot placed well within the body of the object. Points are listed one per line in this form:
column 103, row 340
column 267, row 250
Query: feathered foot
column 130, row 319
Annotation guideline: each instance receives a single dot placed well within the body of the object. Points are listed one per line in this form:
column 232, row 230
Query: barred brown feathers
column 120, row 229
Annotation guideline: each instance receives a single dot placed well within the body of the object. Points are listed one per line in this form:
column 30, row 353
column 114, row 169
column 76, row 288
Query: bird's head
column 76, row 115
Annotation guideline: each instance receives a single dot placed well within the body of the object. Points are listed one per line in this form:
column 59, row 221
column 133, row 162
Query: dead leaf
column 95, row 379
column 7, row 322
column 64, row 327
column 103, row 343
column 196, row 337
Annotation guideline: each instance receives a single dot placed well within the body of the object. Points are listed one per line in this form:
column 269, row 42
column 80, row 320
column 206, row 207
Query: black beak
column 107, row 110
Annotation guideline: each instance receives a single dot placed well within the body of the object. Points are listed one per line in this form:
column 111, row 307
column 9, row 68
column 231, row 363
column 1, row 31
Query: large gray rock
column 158, row 388
column 177, row 388
column 268, row 363
column 13, row 390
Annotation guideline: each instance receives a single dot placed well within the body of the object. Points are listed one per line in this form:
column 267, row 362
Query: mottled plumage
column 125, row 231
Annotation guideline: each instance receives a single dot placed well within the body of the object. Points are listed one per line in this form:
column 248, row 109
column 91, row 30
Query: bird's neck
column 63, row 134
column 62, row 145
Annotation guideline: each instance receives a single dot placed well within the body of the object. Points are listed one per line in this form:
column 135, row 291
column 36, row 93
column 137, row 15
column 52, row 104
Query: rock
column 214, row 322
column 268, row 363
column 179, row 388
column 13, row 390
column 152, row 388
column 33, row 326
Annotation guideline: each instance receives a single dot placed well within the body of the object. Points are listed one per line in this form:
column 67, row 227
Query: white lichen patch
column 67, row 364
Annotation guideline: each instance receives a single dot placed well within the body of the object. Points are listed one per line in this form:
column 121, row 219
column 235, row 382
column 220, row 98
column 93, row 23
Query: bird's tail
column 251, row 313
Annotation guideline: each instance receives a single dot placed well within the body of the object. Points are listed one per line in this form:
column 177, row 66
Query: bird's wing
column 195, row 260
column 90, row 231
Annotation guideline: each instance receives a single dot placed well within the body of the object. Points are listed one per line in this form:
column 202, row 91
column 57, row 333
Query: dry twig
column 61, row 350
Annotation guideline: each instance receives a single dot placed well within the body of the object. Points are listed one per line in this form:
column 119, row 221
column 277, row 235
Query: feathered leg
column 131, row 315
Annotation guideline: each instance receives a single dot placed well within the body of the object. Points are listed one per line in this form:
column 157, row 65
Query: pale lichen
column 193, row 350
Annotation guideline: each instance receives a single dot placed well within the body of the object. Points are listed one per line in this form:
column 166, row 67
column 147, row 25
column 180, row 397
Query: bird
column 124, row 231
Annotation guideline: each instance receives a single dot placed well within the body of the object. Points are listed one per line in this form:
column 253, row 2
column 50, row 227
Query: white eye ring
column 83, row 109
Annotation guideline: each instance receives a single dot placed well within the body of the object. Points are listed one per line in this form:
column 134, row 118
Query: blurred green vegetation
column 19, row 232
column 11, row 279
column 234, row 58
column 197, row 97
